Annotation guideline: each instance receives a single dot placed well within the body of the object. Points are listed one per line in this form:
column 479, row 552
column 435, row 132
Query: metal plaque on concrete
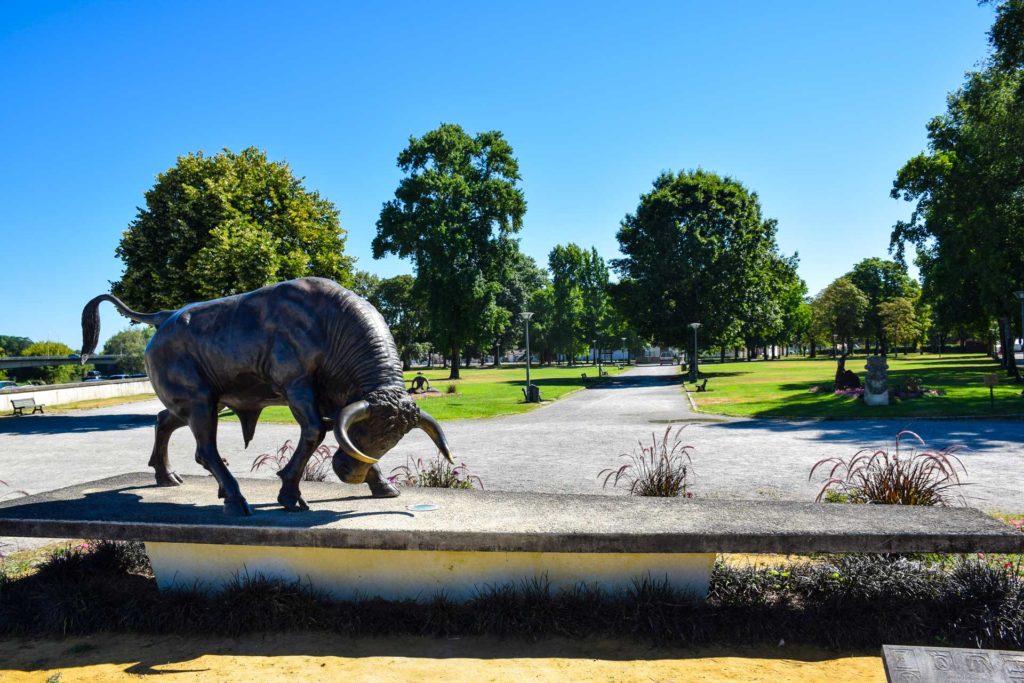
column 914, row 664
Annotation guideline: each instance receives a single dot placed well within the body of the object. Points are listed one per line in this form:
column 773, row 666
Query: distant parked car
column 6, row 384
column 93, row 378
column 136, row 375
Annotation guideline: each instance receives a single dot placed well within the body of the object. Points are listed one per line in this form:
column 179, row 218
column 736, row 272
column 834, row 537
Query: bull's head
column 376, row 424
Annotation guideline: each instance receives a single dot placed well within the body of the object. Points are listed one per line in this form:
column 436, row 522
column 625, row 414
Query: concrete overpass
column 11, row 362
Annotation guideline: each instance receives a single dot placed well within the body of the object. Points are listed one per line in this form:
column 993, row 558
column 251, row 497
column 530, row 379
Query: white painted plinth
column 345, row 573
column 876, row 399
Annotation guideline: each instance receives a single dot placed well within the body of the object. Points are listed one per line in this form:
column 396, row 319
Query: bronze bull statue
column 310, row 344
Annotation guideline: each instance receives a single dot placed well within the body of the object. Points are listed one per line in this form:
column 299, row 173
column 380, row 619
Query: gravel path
column 560, row 447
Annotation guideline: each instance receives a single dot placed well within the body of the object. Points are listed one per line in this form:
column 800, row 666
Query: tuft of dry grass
column 924, row 477
column 437, row 473
column 661, row 469
column 317, row 467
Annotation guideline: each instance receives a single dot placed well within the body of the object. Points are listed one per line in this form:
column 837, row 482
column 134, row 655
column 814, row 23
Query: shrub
column 919, row 478
column 660, row 469
column 437, row 474
column 317, row 467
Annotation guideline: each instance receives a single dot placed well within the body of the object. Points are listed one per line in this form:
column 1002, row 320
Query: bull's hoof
column 292, row 502
column 384, row 489
column 169, row 479
column 237, row 507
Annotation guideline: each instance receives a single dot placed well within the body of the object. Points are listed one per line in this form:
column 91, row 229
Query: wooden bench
column 703, row 386
column 21, row 404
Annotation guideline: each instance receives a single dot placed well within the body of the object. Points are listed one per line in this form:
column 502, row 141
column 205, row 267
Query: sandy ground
column 325, row 657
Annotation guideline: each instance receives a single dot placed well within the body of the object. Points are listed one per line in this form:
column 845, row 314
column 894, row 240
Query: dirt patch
column 323, row 656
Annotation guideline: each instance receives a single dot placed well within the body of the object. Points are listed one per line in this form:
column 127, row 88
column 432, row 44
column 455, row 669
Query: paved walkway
column 559, row 448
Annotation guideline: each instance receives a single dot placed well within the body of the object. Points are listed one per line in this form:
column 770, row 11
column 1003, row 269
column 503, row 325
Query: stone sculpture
column 310, row 344
column 876, row 383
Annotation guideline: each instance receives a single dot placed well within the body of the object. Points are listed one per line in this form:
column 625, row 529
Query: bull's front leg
column 302, row 402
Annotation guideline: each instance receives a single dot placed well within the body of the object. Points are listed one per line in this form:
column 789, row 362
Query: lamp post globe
column 693, row 366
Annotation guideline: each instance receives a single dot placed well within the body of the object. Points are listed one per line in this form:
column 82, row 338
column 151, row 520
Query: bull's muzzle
column 348, row 469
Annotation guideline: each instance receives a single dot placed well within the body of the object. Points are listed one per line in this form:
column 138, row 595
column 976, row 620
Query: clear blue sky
column 814, row 105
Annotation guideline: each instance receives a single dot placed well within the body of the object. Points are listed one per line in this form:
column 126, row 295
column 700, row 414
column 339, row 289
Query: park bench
column 20, row 405
column 442, row 541
column 703, row 386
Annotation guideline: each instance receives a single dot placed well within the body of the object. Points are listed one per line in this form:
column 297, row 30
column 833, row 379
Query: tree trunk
column 814, row 349
column 721, row 355
column 456, row 362
column 497, row 355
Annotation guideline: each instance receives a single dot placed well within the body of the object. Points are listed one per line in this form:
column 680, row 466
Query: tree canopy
column 218, row 225
column 968, row 191
column 697, row 249
column 50, row 374
column 130, row 347
column 841, row 308
column 453, row 215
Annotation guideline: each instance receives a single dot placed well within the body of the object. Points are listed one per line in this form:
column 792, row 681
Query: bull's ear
column 436, row 434
column 351, row 414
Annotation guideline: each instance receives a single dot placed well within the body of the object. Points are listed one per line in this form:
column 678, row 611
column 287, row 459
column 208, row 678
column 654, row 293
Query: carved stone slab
column 913, row 664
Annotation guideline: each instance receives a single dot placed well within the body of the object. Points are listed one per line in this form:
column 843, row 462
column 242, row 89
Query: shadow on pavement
column 71, row 424
column 973, row 435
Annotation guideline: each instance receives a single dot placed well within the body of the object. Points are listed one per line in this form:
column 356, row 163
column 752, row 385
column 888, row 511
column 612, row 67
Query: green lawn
column 803, row 388
column 482, row 392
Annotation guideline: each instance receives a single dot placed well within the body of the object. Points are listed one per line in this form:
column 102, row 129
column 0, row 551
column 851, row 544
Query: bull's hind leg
column 303, row 406
column 203, row 422
column 166, row 423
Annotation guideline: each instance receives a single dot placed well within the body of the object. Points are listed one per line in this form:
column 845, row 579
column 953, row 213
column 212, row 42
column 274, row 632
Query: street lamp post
column 593, row 343
column 693, row 366
column 1020, row 295
column 626, row 349
column 526, row 315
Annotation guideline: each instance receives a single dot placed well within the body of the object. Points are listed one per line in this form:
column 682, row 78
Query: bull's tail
column 91, row 321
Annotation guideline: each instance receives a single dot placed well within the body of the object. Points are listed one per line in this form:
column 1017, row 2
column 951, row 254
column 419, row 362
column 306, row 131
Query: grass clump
column 661, row 469
column 436, row 474
column 317, row 467
column 923, row 477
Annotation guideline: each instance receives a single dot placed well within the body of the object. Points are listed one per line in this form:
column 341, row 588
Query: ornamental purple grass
column 923, row 477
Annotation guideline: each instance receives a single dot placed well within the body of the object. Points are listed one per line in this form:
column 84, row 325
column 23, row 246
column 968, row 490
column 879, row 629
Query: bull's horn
column 351, row 414
column 436, row 434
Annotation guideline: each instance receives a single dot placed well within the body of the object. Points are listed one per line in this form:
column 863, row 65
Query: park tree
column 218, row 225
column 899, row 321
column 841, row 310
column 13, row 346
column 129, row 346
column 520, row 278
column 403, row 311
column 881, row 281
column 968, row 191
column 693, row 251
column 50, row 374
column 567, row 331
column 453, row 215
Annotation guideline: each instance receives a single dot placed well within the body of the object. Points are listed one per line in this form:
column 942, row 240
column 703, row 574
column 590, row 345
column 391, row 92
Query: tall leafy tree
column 881, row 281
column 968, row 190
column 13, row 346
column 694, row 251
column 218, row 225
column 50, row 374
column 521, row 278
column 899, row 321
column 566, row 327
column 841, row 310
column 452, row 215
column 130, row 347
column 404, row 312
